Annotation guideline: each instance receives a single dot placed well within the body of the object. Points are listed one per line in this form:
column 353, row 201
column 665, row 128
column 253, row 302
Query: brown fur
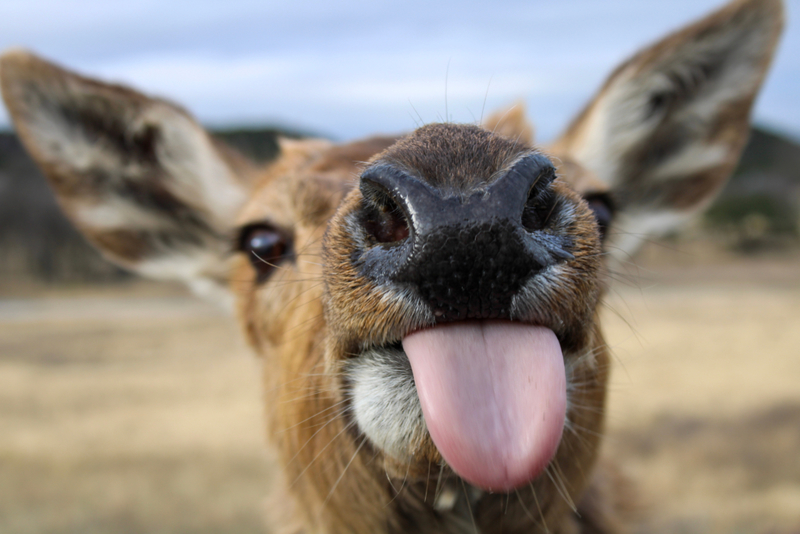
column 511, row 123
column 316, row 312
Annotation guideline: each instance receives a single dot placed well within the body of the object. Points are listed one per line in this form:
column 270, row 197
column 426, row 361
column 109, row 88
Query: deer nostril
column 538, row 209
column 384, row 220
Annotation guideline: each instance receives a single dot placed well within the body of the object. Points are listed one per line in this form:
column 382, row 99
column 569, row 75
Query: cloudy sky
column 350, row 68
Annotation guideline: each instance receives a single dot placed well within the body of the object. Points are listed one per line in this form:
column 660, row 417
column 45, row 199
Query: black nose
column 464, row 254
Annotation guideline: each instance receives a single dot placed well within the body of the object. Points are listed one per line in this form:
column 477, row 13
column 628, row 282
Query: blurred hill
column 760, row 206
column 35, row 238
column 759, row 209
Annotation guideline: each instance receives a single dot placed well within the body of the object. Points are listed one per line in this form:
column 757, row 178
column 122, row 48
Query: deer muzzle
column 492, row 390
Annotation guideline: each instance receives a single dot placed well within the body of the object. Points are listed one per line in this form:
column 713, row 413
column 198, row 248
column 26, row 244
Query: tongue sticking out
column 494, row 398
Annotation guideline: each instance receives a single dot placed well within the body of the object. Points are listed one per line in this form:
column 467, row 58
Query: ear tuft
column 511, row 123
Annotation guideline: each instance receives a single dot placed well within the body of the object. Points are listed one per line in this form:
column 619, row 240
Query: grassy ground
column 138, row 410
column 127, row 414
column 705, row 398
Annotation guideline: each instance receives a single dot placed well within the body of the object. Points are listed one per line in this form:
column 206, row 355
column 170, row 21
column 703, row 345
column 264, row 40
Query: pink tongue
column 494, row 398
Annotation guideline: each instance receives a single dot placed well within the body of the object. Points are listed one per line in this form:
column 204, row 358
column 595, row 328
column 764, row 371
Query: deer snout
column 466, row 254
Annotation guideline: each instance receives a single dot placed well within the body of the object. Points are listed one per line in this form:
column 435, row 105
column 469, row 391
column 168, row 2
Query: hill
column 761, row 204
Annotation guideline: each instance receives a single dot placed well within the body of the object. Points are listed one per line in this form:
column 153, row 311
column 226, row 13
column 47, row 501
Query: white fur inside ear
column 200, row 269
column 705, row 74
column 190, row 166
column 631, row 230
column 117, row 213
column 65, row 144
column 384, row 400
column 695, row 158
column 196, row 172
column 618, row 125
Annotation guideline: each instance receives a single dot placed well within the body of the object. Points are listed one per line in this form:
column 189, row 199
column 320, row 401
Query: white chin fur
column 384, row 401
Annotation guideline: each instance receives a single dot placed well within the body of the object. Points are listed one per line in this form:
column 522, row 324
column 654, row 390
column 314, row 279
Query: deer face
column 455, row 239
column 340, row 271
column 427, row 319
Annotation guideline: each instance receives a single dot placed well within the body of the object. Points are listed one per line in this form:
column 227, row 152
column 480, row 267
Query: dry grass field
column 705, row 400
column 137, row 409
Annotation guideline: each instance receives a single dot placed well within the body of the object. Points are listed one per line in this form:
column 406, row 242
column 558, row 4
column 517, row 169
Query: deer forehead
column 310, row 179
column 458, row 157
column 307, row 183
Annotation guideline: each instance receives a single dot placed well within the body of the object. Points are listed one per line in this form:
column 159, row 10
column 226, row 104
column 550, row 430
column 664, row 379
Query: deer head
column 428, row 319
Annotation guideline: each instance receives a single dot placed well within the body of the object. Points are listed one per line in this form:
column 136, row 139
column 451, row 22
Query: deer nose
column 466, row 255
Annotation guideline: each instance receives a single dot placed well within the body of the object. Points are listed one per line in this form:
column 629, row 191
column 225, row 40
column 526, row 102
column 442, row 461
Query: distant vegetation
column 36, row 240
column 760, row 207
column 259, row 145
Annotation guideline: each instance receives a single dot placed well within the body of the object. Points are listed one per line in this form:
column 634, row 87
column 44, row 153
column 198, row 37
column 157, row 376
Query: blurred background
column 128, row 406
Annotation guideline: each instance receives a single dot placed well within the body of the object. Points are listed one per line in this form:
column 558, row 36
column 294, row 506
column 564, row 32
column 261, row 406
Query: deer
column 425, row 306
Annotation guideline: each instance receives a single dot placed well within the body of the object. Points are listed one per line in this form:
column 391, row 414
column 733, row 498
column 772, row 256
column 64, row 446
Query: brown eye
column 265, row 247
column 602, row 206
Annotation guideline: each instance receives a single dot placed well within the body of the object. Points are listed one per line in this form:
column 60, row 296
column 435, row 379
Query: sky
column 348, row 68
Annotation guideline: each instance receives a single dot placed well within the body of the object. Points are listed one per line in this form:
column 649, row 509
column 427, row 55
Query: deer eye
column 265, row 247
column 602, row 206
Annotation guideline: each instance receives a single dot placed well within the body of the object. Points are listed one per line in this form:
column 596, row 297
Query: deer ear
column 511, row 123
column 667, row 128
column 137, row 175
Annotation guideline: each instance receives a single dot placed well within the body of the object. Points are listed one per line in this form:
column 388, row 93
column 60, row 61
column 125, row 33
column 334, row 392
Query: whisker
column 437, row 491
column 390, row 484
column 502, row 118
column 313, row 416
column 485, row 97
column 402, row 486
column 524, row 507
column 346, row 467
column 421, row 120
column 561, row 491
column 303, row 472
column 538, row 507
column 469, row 506
column 446, row 78
column 312, row 391
column 296, row 454
column 427, row 481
